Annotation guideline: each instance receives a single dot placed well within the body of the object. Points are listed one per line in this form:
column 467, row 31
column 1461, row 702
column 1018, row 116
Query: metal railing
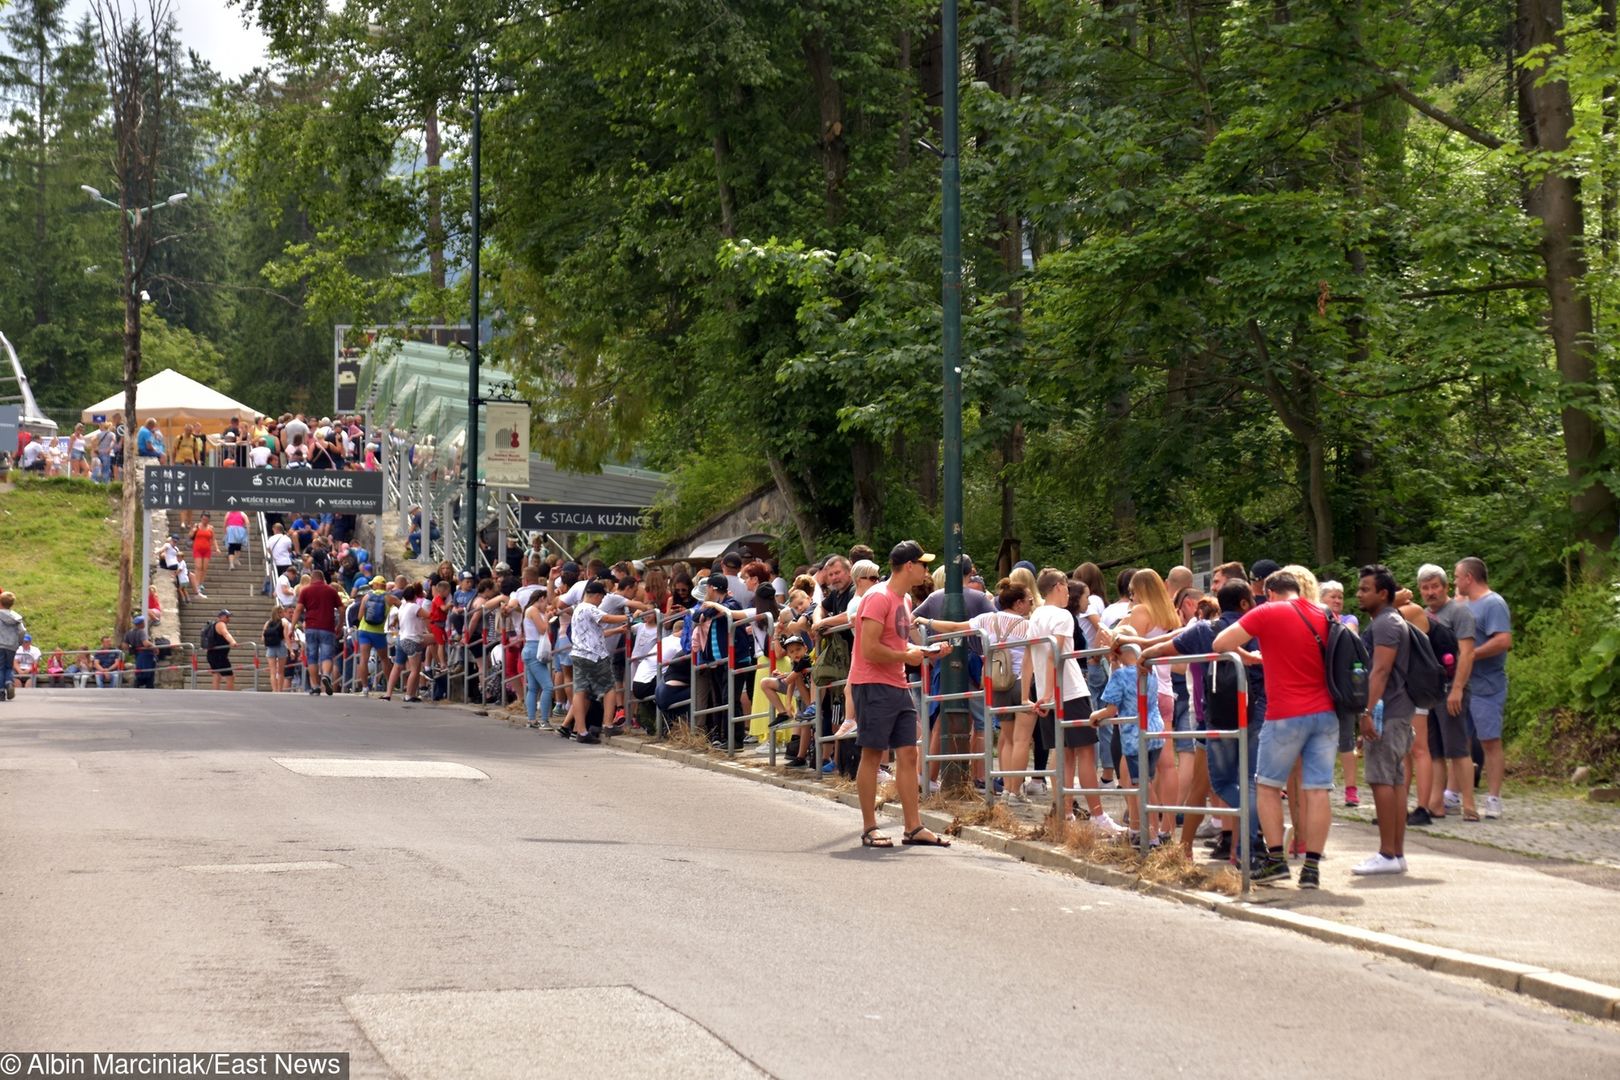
column 729, row 664
column 828, row 732
column 123, row 673
column 665, row 621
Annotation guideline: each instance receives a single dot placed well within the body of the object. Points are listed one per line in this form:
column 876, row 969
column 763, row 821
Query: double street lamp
column 135, row 214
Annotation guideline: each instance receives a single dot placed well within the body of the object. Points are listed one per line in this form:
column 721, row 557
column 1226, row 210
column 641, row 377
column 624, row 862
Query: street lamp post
column 954, row 677
column 134, row 217
column 469, row 512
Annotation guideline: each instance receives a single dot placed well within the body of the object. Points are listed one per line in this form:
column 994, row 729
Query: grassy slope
column 59, row 554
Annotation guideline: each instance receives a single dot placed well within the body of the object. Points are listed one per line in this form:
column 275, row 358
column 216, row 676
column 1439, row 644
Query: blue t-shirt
column 1491, row 617
column 143, row 443
column 1121, row 693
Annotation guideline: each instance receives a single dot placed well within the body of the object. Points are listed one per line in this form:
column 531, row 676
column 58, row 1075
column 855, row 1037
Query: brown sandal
column 871, row 838
column 1470, row 815
column 934, row 839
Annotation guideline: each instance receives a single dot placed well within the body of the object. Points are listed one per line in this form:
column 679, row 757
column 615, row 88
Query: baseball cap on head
column 138, row 618
column 718, row 583
column 908, row 551
column 378, row 581
column 224, row 613
column 794, row 639
column 1263, row 569
column 466, row 575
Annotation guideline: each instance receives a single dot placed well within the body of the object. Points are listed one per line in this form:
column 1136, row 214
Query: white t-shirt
column 575, row 593
column 645, row 648
column 523, row 596
column 286, row 591
column 1094, row 606
column 281, row 549
column 413, row 621
column 1115, row 612
column 1053, row 621
column 538, row 636
column 1004, row 626
column 259, row 456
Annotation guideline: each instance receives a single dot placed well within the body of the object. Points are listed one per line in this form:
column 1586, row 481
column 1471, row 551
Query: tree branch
column 1455, row 123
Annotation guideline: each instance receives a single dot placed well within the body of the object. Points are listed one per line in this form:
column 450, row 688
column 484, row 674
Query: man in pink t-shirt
column 886, row 711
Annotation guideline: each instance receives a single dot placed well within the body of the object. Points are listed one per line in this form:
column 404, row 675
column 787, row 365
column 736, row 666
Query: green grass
column 59, row 542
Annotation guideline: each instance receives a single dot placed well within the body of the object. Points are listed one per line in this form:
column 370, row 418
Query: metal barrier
column 42, row 678
column 1241, row 735
column 632, row 658
column 826, row 732
column 729, row 663
column 925, row 756
column 662, row 679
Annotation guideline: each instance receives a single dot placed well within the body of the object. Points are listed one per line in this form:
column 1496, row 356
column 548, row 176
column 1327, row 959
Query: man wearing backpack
column 1302, row 722
column 1387, row 740
column 1448, row 725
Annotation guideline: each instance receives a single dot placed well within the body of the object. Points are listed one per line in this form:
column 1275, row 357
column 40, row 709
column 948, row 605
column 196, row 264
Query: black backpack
column 209, row 638
column 1346, row 662
column 1221, row 697
column 1424, row 675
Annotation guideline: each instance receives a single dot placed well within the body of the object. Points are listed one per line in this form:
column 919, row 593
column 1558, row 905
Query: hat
column 466, row 575
column 30, row 637
column 718, row 583
column 795, row 639
column 138, row 618
column 224, row 613
column 570, row 567
column 1025, row 564
column 501, row 568
column 366, row 567
column 638, row 566
column 1130, row 647
column 379, row 580
column 1263, row 569
column 908, row 551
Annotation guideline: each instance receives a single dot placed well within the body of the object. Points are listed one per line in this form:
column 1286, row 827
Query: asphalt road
column 167, row 883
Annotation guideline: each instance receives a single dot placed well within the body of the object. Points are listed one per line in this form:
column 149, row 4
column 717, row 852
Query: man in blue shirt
column 1487, row 683
column 148, row 443
column 1235, row 598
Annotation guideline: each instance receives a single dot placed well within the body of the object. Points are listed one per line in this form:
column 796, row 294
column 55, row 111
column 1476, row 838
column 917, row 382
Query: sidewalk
column 1553, row 912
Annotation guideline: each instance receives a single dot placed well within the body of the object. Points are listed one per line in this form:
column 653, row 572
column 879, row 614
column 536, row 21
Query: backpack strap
column 1319, row 641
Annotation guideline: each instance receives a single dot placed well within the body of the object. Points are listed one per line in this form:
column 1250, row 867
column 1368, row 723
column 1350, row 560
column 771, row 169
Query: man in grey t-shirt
column 1450, row 743
column 1487, row 688
column 1385, row 750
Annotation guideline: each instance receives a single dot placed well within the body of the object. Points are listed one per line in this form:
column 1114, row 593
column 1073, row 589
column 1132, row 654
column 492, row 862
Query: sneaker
column 933, row 787
column 885, row 776
column 1222, row 849
column 1310, row 877
column 1268, row 870
column 829, row 767
column 1035, row 787
column 1207, row 830
column 1107, row 825
column 797, row 763
column 1352, row 797
column 326, row 685
column 1379, row 864
column 1492, row 807
column 1017, row 795
column 1420, row 816
column 1115, row 783
column 589, row 738
column 1453, row 800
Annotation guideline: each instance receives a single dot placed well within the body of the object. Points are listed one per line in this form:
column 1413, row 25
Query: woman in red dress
column 202, row 550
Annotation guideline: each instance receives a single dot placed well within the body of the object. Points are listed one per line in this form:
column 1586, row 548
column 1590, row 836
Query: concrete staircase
column 240, row 590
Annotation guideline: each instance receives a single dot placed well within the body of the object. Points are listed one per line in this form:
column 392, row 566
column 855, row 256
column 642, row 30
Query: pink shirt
column 891, row 615
column 237, row 518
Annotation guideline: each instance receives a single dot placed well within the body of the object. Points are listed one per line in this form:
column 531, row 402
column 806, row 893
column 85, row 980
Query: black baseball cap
column 908, row 551
column 1263, row 569
column 718, row 583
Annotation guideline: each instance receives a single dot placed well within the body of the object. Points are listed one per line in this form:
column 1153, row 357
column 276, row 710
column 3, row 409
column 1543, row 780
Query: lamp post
column 469, row 512
column 953, row 679
column 133, row 296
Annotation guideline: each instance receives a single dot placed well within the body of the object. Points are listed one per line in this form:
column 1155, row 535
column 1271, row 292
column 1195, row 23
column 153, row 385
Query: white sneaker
column 1105, row 824
column 1035, row 787
column 1109, row 784
column 1208, row 830
column 1379, row 864
column 933, row 785
column 1492, row 807
column 1015, row 795
column 884, row 776
column 1453, row 800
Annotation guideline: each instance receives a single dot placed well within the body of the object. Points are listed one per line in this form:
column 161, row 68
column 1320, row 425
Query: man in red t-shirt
column 318, row 604
column 1301, row 724
column 886, row 711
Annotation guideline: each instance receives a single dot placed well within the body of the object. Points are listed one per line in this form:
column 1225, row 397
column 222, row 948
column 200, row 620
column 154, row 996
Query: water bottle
column 1449, row 662
column 1358, row 681
column 1378, row 718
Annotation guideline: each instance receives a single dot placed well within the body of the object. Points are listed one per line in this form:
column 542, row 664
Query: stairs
column 240, row 590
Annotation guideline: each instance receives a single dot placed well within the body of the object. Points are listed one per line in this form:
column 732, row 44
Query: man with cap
column 375, row 601
column 138, row 643
column 883, row 703
column 593, row 664
column 25, row 664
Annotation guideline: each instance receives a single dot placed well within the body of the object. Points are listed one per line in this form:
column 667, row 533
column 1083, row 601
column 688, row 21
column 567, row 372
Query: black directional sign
column 300, row 491
column 566, row 517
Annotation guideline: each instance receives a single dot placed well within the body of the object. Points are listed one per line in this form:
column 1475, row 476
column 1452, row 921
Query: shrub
column 1562, row 704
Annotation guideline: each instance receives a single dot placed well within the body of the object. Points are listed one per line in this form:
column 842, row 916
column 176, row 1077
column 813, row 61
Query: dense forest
column 1339, row 277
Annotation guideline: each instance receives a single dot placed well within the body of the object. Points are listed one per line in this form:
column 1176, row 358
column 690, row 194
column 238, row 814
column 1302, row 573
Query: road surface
column 195, row 871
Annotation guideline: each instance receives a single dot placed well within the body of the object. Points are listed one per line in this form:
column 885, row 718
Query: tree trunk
column 865, row 461
column 435, row 199
column 1609, row 215
column 796, row 510
column 1546, row 118
column 42, row 289
column 830, row 105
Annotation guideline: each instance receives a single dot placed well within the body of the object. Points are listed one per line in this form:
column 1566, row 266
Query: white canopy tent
column 175, row 400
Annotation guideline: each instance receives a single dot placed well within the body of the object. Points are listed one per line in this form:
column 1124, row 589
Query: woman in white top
column 413, row 634
column 537, row 658
column 1010, row 622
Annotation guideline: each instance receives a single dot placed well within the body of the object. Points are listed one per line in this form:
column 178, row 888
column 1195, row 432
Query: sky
column 214, row 29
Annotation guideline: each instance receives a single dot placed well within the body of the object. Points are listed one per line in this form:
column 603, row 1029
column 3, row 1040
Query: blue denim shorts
column 1181, row 718
column 1312, row 739
column 1485, row 712
column 319, row 646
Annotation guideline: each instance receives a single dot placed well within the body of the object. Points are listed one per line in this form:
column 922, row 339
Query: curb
column 1555, row 988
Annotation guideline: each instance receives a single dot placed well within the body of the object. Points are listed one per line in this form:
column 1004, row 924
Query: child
column 1119, row 702
column 438, row 615
column 795, row 682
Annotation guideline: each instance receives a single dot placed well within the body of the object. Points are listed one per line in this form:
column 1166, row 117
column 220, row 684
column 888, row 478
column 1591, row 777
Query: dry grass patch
column 685, row 737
